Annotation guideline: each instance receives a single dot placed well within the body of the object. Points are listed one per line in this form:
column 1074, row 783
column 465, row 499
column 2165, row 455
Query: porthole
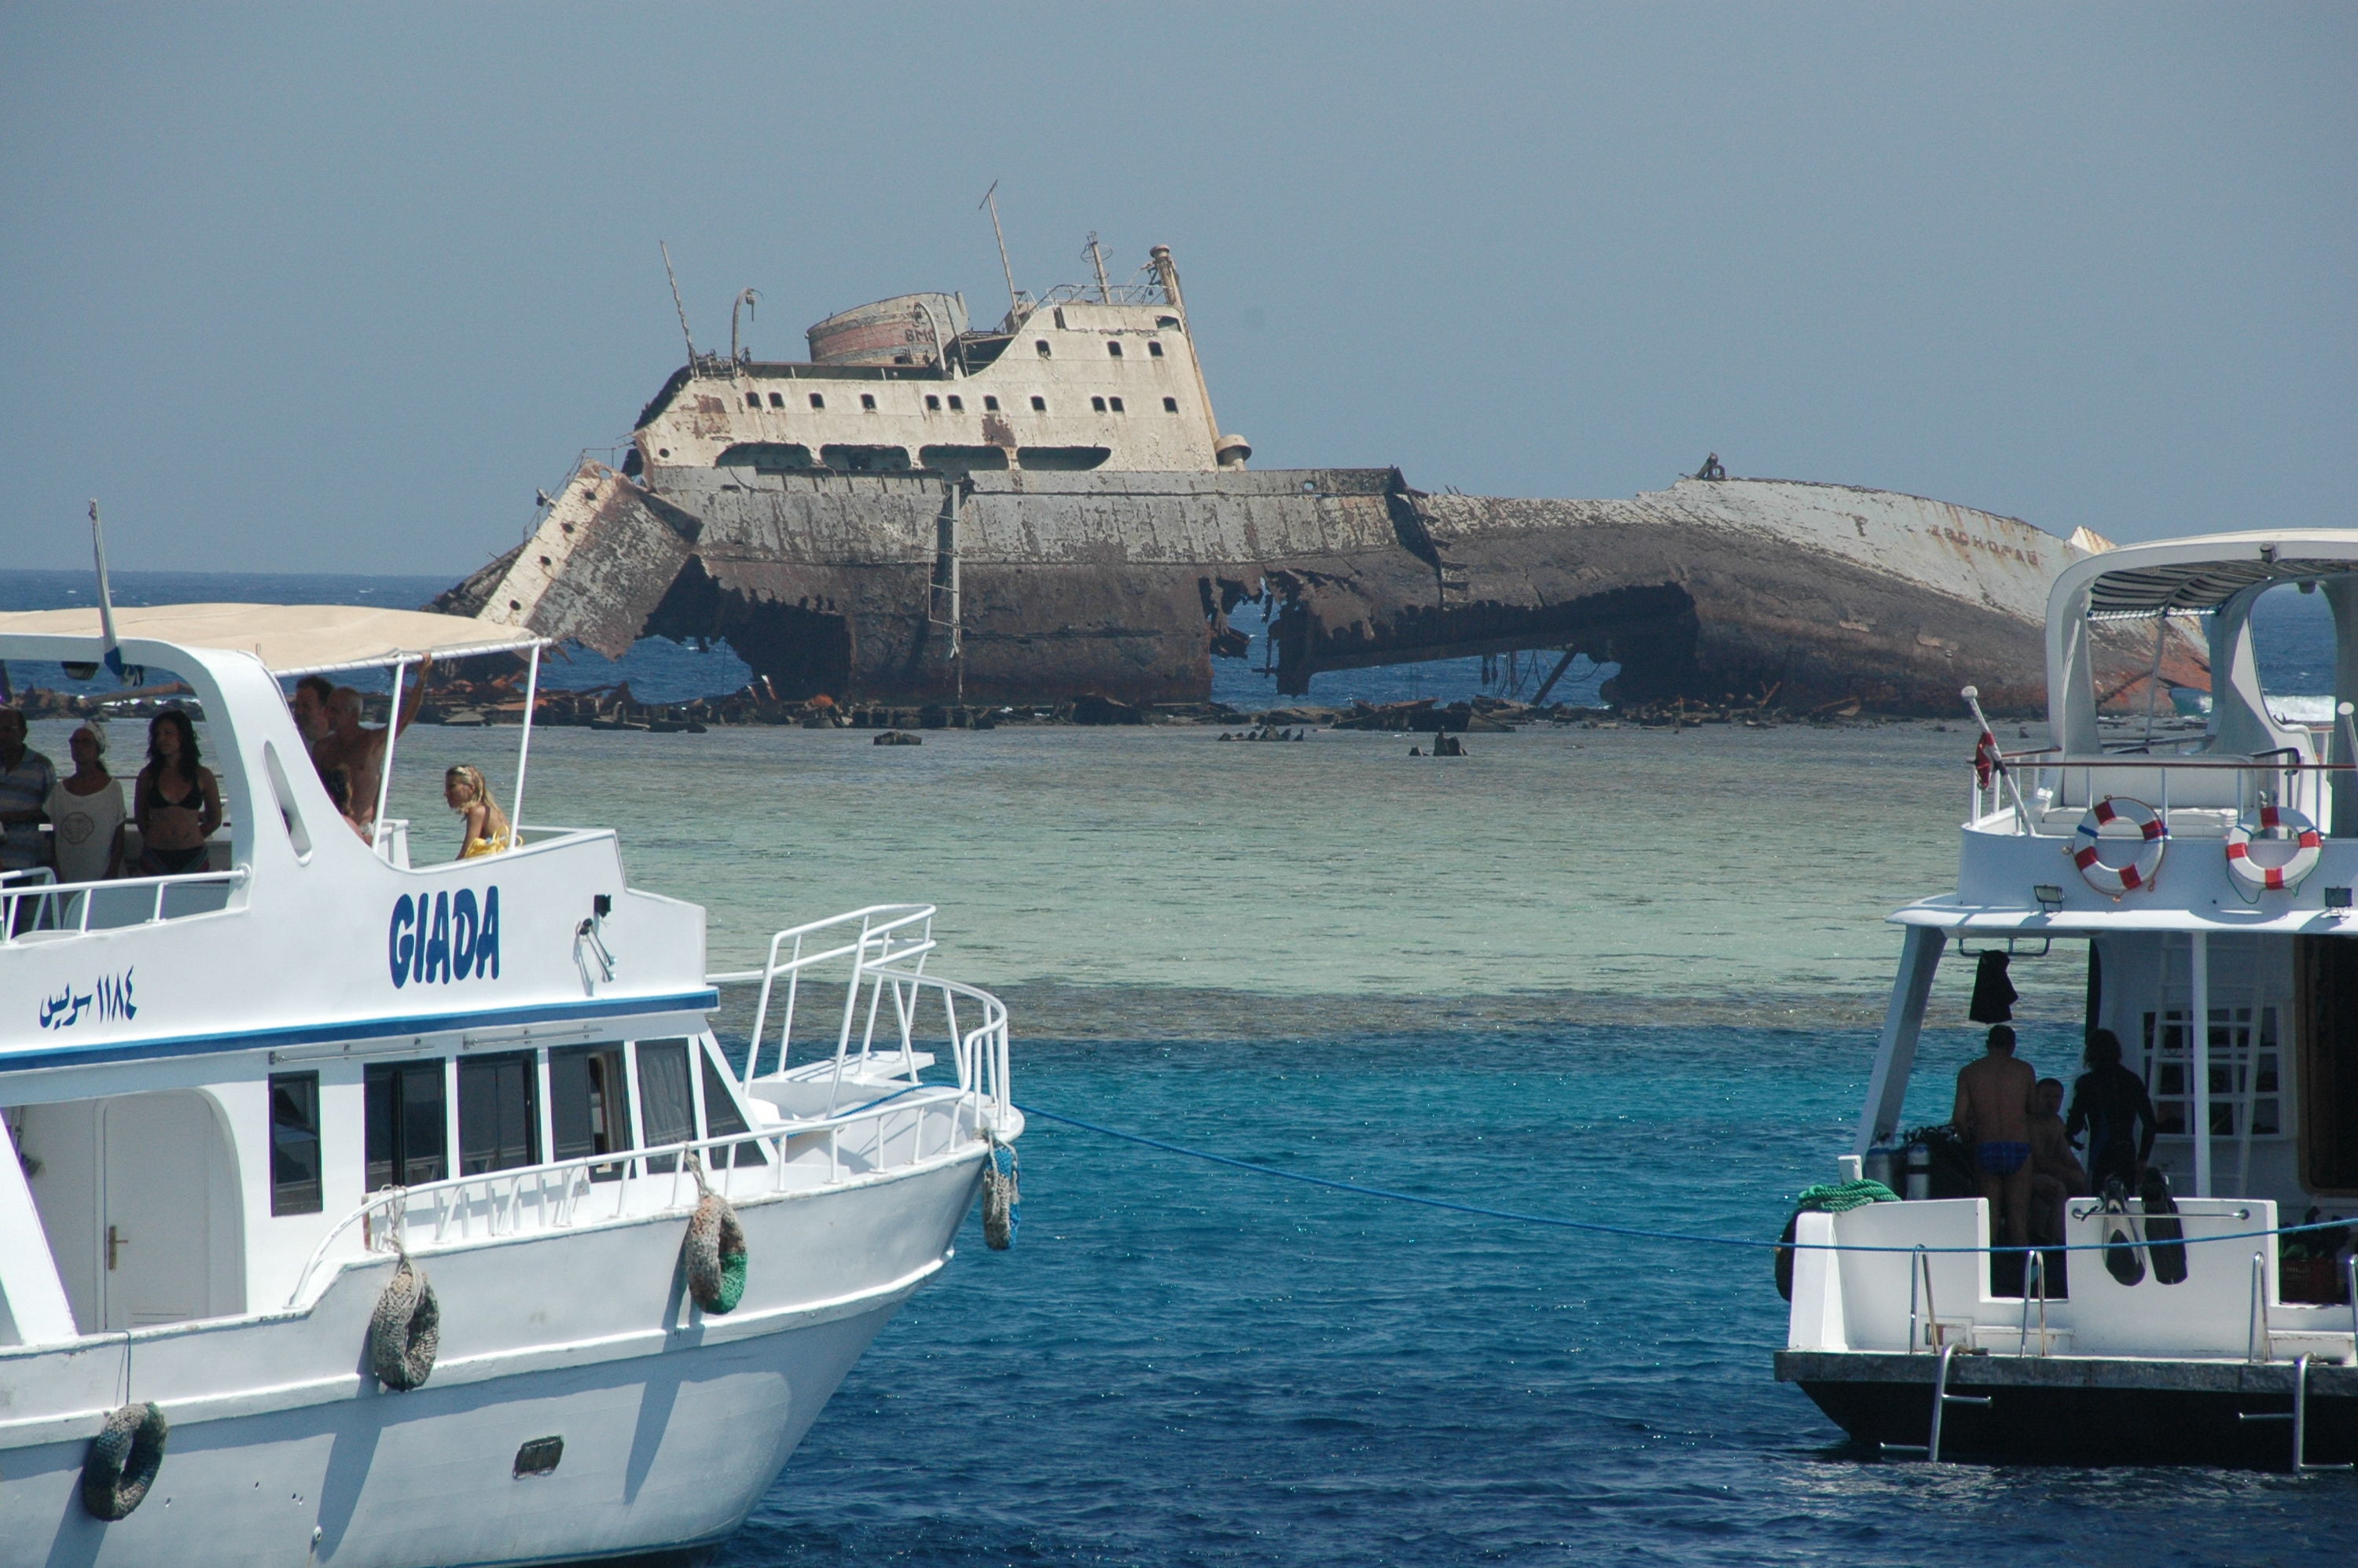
column 868, row 401
column 989, row 403
column 1154, row 350
column 818, row 401
column 777, row 400
column 1113, row 347
column 1114, row 404
column 752, row 400
column 1171, row 406
column 1097, row 405
column 932, row 403
column 957, row 404
column 1039, row 405
column 1041, row 346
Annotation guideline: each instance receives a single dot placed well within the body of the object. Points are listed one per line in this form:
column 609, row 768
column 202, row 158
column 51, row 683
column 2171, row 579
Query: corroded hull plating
column 1119, row 584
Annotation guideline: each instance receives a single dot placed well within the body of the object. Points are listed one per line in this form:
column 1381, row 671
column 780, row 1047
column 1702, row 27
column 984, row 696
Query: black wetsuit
column 2111, row 1104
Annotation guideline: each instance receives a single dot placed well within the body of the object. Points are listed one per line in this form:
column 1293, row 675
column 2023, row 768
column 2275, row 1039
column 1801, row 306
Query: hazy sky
column 337, row 287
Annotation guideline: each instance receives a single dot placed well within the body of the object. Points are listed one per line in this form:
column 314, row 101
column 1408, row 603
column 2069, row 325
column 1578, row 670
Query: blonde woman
column 486, row 831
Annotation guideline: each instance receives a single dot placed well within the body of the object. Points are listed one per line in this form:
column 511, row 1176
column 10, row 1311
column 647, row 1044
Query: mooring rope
column 1642, row 1233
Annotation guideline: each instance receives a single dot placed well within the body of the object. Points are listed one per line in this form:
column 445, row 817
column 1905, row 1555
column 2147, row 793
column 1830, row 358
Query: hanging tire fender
column 405, row 1330
column 1003, row 1202
column 715, row 1255
column 123, row 1461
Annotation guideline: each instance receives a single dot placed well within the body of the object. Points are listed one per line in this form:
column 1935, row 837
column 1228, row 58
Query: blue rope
column 1638, row 1232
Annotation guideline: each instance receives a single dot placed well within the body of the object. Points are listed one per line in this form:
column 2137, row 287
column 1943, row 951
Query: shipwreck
column 1047, row 508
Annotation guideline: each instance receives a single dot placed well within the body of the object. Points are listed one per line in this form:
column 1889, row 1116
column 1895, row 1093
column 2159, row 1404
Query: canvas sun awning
column 289, row 639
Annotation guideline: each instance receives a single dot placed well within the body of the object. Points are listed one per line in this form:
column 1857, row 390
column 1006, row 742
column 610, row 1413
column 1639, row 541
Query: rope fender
column 405, row 1330
column 715, row 1253
column 1002, row 1204
column 123, row 1461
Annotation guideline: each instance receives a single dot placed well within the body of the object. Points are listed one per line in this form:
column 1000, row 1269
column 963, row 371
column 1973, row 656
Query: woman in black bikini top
column 179, row 803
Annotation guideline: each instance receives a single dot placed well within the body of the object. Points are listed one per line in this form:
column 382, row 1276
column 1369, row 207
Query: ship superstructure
column 1075, row 379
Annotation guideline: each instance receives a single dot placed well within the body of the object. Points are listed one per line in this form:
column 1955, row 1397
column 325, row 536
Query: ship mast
column 990, row 200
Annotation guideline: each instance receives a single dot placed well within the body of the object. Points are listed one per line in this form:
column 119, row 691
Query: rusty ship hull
column 1120, row 584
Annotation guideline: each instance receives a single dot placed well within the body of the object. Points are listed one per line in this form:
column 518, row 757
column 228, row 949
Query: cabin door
column 2325, row 991
column 154, row 1220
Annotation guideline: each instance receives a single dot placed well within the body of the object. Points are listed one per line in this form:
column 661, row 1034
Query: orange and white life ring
column 2273, row 820
column 2114, row 881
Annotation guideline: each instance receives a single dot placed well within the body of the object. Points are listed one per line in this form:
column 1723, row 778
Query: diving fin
column 2163, row 1232
column 2122, row 1260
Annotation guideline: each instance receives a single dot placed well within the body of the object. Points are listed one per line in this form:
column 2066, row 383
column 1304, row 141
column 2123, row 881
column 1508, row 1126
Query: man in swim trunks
column 1995, row 1096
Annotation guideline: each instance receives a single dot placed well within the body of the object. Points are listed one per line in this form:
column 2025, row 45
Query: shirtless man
column 310, row 705
column 359, row 750
column 2055, row 1174
column 1993, row 1114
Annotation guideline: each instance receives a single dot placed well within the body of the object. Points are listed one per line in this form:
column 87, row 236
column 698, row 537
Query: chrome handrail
column 574, row 1178
column 56, row 896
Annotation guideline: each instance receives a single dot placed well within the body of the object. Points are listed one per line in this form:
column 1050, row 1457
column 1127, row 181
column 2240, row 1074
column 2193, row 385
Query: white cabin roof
column 289, row 639
column 2177, row 575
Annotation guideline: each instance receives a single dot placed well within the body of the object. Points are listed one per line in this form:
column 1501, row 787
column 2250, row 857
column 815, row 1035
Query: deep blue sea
column 1483, row 983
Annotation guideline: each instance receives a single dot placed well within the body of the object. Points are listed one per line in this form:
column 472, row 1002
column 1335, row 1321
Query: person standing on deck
column 26, row 779
column 2109, row 1103
column 1995, row 1095
column 359, row 750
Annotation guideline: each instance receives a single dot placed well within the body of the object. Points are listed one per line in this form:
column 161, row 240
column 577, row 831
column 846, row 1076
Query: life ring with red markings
column 2273, row 820
column 2113, row 881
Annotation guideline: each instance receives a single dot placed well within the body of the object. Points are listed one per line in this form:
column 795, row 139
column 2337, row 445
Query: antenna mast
column 990, row 200
column 676, row 305
column 1096, row 254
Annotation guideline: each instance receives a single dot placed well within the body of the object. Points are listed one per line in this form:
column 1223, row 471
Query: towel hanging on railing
column 1993, row 994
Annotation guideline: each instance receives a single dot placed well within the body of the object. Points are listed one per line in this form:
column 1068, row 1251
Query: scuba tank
column 1919, row 1172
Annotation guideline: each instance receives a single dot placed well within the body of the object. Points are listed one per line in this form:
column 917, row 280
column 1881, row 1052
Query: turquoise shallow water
column 1616, row 974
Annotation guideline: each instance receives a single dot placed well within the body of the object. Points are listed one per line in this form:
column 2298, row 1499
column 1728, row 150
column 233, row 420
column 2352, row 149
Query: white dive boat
column 254, row 1105
column 2209, row 880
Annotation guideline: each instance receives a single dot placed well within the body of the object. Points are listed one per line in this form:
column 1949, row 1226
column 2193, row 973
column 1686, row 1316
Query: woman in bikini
column 468, row 794
column 177, row 804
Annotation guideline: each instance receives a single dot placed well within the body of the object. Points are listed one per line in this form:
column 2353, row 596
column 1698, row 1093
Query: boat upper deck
column 297, row 929
column 2252, row 826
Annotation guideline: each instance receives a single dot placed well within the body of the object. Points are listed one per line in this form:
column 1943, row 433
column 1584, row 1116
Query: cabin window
column 499, row 1113
column 932, row 403
column 1171, row 406
column 1154, row 350
column 818, row 401
column 868, row 401
column 777, row 400
column 722, row 1118
column 1040, row 344
column 1114, row 404
column 589, row 1105
column 957, row 404
column 667, row 1103
column 293, row 1143
column 1097, row 405
column 1113, row 348
column 989, row 403
column 1039, row 405
column 752, row 400
column 408, row 1125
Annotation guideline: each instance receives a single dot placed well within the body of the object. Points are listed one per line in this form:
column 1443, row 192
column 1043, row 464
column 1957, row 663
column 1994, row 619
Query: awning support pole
column 385, row 771
column 524, row 747
column 2199, row 1058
